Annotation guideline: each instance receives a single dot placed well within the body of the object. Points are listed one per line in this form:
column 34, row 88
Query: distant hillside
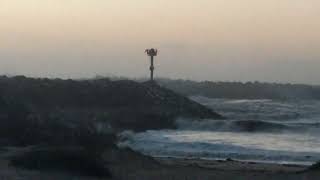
column 238, row 90
column 122, row 104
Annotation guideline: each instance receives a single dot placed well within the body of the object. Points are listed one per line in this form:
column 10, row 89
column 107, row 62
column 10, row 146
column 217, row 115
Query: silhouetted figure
column 151, row 52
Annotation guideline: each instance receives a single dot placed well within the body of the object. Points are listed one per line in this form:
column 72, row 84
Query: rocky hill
column 122, row 104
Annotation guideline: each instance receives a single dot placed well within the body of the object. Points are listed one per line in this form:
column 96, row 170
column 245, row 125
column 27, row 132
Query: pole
column 151, row 68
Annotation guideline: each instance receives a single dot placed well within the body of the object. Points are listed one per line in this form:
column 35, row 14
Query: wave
column 256, row 130
column 232, row 125
column 191, row 144
column 262, row 109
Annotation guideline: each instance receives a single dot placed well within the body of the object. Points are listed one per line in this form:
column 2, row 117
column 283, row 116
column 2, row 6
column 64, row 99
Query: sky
column 216, row 40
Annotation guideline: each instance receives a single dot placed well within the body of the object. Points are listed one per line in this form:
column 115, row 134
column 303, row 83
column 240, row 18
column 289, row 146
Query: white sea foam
column 257, row 130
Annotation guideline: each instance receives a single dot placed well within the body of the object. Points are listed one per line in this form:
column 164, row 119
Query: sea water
column 277, row 131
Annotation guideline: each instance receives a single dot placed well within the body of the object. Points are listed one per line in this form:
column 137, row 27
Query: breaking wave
column 232, row 125
column 255, row 130
column 263, row 147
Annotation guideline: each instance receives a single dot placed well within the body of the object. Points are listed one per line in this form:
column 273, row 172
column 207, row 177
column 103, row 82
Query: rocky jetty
column 74, row 122
column 121, row 104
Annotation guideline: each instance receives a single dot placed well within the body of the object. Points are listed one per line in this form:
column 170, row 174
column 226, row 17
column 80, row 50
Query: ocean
column 259, row 130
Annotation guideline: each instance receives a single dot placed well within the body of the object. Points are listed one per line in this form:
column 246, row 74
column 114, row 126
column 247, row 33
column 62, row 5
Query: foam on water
column 302, row 149
column 257, row 130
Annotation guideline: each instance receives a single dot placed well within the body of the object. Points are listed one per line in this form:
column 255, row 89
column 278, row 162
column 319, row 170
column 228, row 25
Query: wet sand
column 129, row 165
column 198, row 169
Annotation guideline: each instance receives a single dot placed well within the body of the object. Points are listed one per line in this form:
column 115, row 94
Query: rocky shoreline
column 125, row 164
column 67, row 129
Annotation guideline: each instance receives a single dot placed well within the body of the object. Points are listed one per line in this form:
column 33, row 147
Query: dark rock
column 122, row 104
column 73, row 160
column 314, row 167
column 229, row 160
column 254, row 126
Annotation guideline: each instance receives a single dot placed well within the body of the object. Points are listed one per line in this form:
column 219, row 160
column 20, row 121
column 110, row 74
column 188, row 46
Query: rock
column 229, row 160
column 122, row 104
column 73, row 160
column 314, row 167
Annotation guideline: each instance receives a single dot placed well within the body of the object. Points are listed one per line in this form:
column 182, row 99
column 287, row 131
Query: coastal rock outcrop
column 121, row 104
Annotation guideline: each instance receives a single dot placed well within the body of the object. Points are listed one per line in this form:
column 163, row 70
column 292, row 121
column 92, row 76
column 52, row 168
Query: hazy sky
column 226, row 40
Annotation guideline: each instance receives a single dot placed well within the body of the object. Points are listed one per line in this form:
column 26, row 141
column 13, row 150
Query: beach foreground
column 197, row 169
column 126, row 164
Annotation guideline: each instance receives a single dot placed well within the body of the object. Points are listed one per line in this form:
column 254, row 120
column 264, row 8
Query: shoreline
column 126, row 164
column 251, row 161
column 231, row 165
column 194, row 169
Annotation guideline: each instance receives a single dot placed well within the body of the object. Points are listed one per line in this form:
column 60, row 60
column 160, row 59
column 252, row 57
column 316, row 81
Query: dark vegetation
column 239, row 90
column 73, row 123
